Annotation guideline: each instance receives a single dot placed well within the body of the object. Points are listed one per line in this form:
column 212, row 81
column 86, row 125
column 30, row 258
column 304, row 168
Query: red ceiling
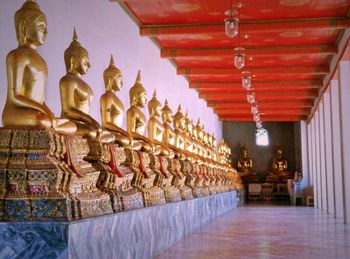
column 289, row 45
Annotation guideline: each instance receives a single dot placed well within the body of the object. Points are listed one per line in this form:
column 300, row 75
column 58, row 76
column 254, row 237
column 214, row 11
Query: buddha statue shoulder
column 279, row 164
column 155, row 128
column 244, row 163
column 26, row 76
column 136, row 120
column 76, row 94
column 112, row 109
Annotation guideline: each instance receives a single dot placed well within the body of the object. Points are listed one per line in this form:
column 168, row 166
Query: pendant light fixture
column 231, row 23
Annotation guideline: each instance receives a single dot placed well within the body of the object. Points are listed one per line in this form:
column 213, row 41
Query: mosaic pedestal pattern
column 141, row 233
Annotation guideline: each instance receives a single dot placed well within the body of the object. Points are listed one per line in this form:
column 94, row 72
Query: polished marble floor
column 258, row 231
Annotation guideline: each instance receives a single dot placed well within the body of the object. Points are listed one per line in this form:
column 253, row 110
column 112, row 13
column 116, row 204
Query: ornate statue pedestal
column 115, row 235
column 277, row 177
column 164, row 179
column 180, row 179
column 43, row 176
column 116, row 177
column 145, row 178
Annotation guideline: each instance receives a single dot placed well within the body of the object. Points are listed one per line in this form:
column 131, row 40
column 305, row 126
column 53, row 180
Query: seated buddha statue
column 155, row 128
column 244, row 163
column 188, row 133
column 169, row 134
column 179, row 124
column 112, row 109
column 199, row 137
column 279, row 164
column 76, row 94
column 136, row 120
column 26, row 76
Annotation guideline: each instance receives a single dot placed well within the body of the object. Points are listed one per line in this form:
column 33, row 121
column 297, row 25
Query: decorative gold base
column 153, row 196
column 43, row 177
column 212, row 189
column 172, row 194
column 186, row 192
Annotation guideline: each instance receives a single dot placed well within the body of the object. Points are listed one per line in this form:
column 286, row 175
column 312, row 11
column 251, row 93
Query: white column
column 314, row 159
column 344, row 93
column 337, row 160
column 323, row 158
column 329, row 152
column 318, row 162
column 304, row 155
column 309, row 149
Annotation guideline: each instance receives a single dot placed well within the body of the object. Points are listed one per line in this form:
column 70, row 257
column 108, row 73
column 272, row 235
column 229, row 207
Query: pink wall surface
column 103, row 29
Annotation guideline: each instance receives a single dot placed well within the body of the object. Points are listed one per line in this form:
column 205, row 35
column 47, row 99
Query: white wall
column 103, row 29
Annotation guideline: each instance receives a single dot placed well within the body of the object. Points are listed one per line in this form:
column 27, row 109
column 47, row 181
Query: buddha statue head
column 244, row 152
column 214, row 141
column 154, row 106
column 30, row 23
column 76, row 57
column 210, row 140
column 137, row 93
column 199, row 130
column 279, row 152
column 194, row 131
column 112, row 77
column 179, row 121
column 205, row 136
column 167, row 113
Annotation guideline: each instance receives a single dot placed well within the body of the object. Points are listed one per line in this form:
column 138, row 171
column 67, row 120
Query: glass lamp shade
column 247, row 82
column 258, row 125
column 251, row 98
column 239, row 60
column 231, row 27
column 254, row 109
column 257, row 117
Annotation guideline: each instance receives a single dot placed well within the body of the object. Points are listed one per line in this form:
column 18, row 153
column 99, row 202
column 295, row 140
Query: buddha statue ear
column 22, row 28
column 71, row 64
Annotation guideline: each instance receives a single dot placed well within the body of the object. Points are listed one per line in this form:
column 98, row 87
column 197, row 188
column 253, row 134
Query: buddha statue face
column 30, row 23
column 82, row 65
column 279, row 153
column 244, row 152
column 113, row 77
column 154, row 106
column 76, row 57
column 179, row 120
column 167, row 114
column 137, row 93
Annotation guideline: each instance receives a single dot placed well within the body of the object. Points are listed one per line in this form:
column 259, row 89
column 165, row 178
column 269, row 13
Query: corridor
column 258, row 231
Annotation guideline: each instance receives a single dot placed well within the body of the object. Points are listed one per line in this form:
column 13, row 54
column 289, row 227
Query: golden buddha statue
column 179, row 125
column 188, row 133
column 136, row 120
column 155, row 128
column 76, row 95
column 244, row 163
column 112, row 108
column 169, row 133
column 199, row 135
column 27, row 74
column 279, row 164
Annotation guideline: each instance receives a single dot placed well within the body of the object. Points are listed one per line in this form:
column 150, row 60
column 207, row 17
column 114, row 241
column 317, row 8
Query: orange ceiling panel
column 288, row 44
